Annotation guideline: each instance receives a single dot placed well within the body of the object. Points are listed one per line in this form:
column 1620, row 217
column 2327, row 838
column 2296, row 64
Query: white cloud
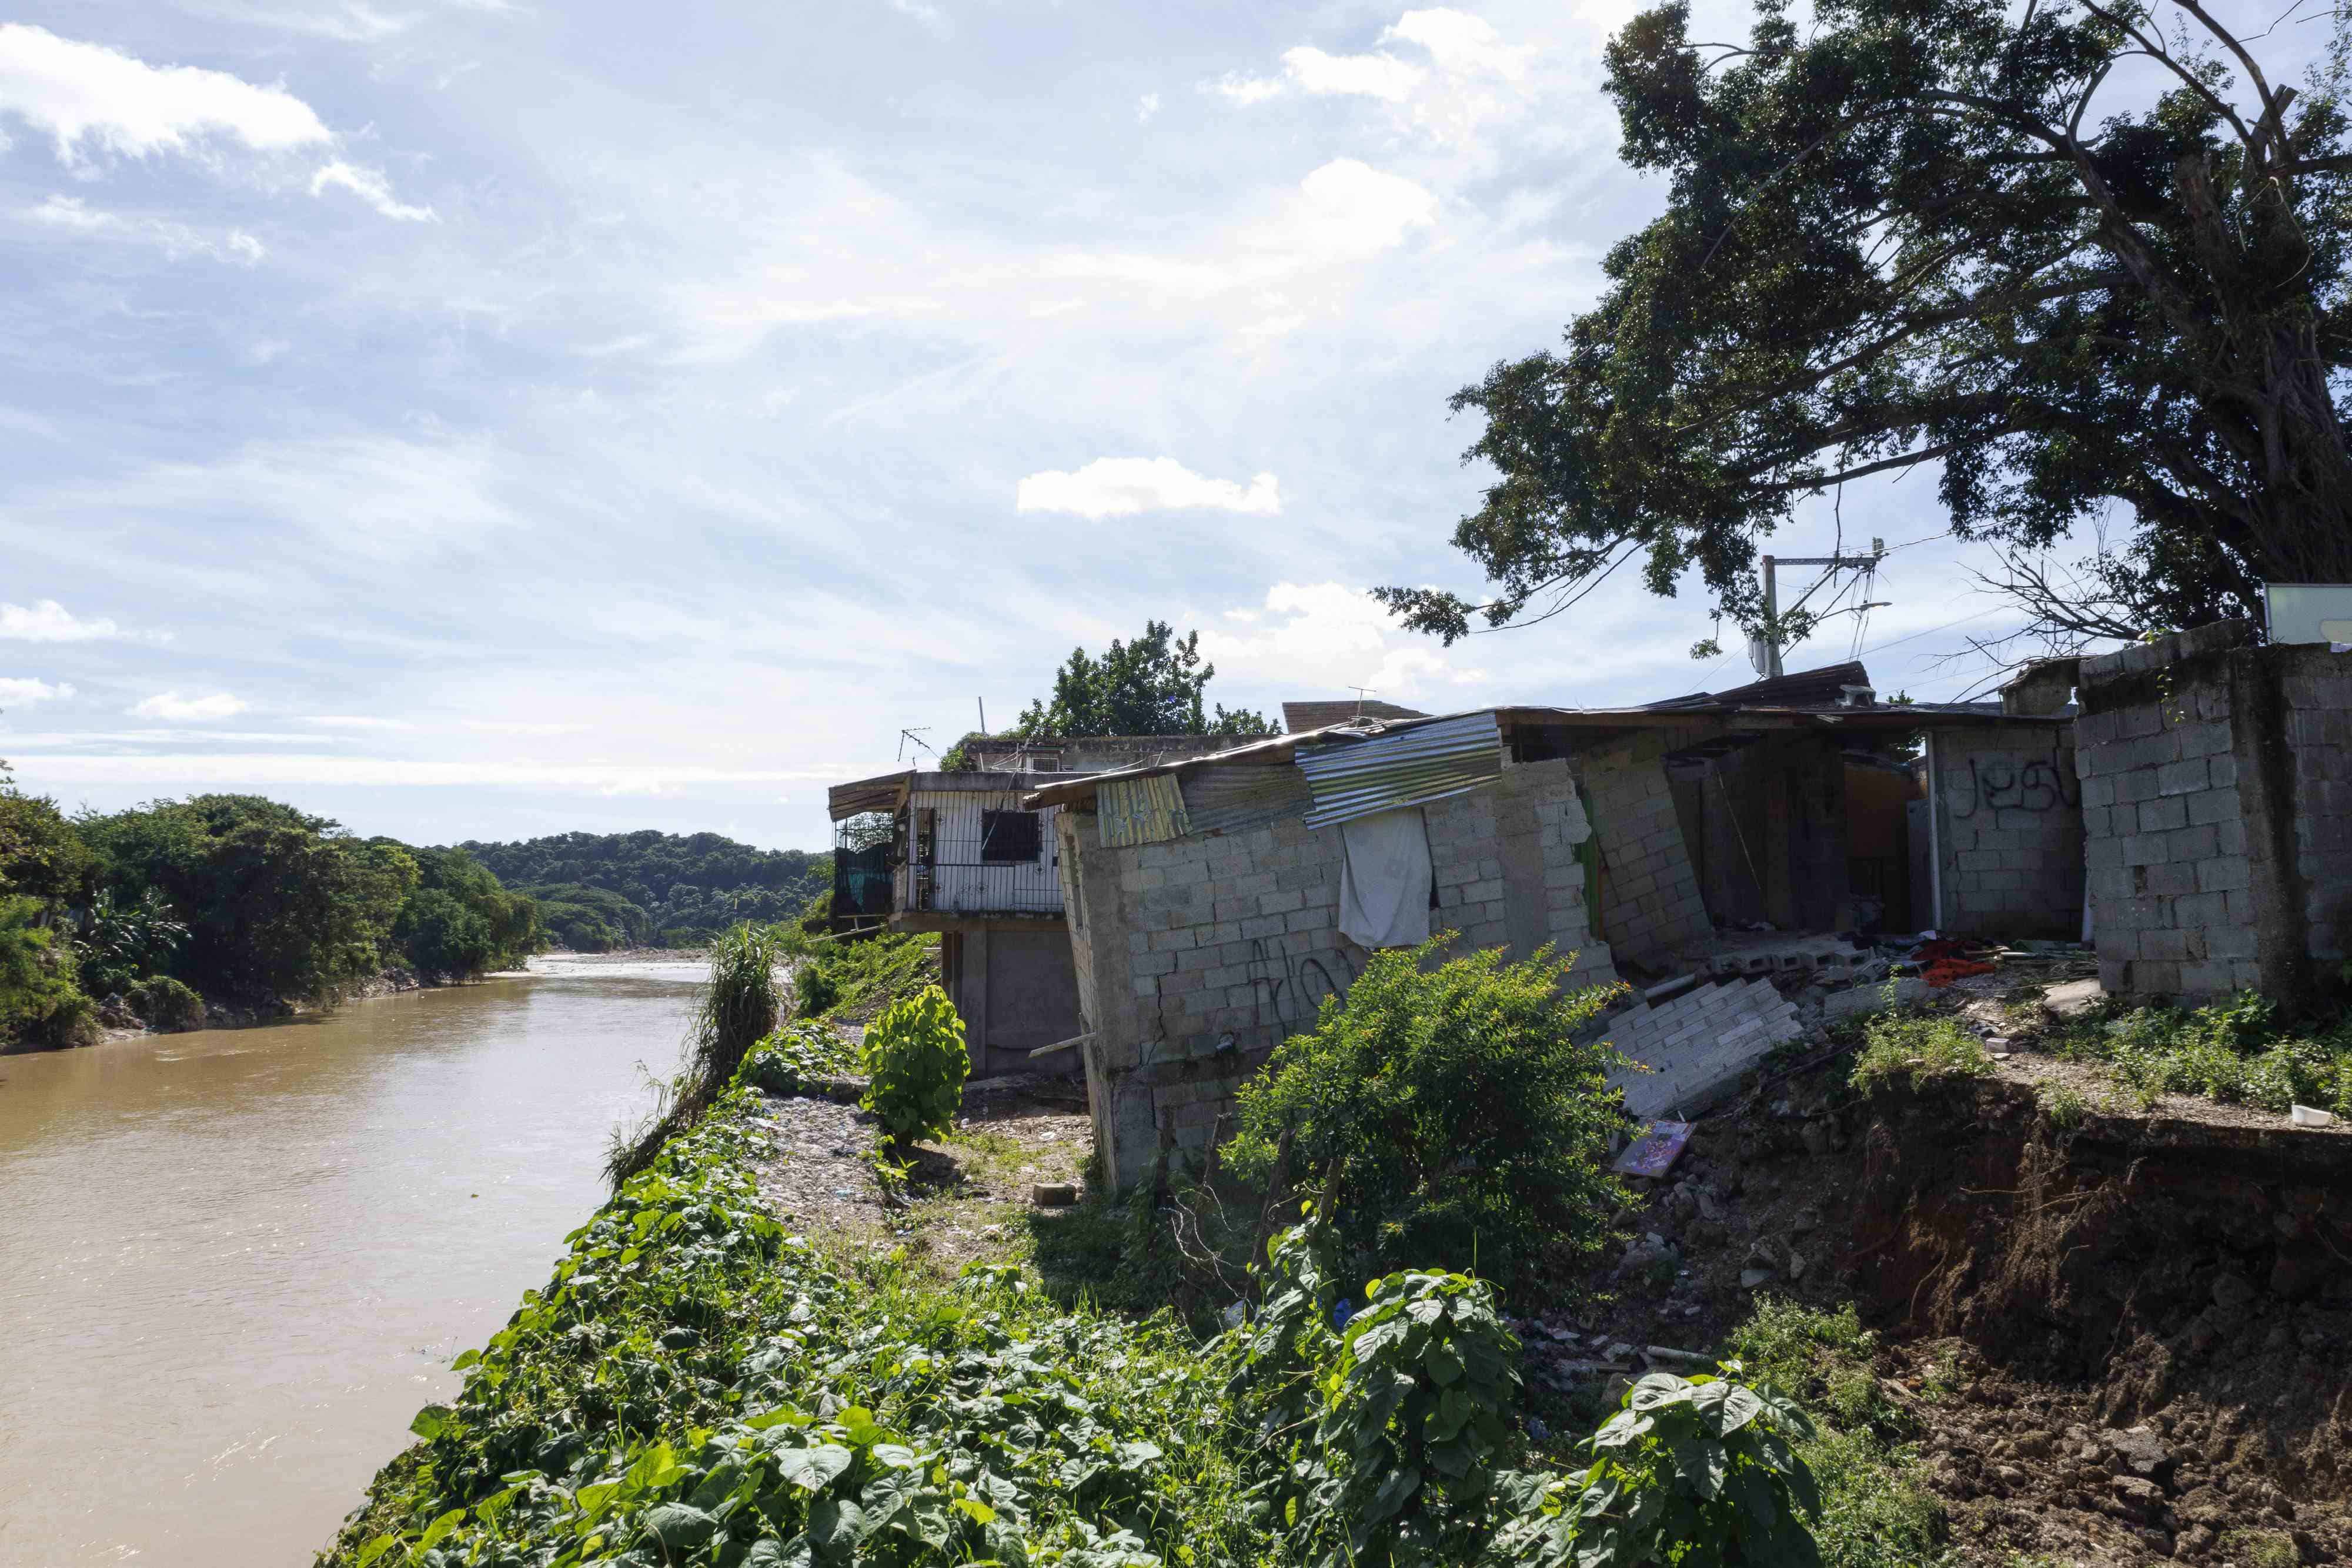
column 1146, row 107
column 77, row 93
column 1120, row 486
column 370, row 186
column 17, row 692
column 47, row 621
column 1460, row 43
column 74, row 215
column 173, row 708
column 1317, row 639
column 1383, row 76
column 1348, row 211
column 348, row 22
column 1450, row 98
column 355, row 721
column 1244, row 89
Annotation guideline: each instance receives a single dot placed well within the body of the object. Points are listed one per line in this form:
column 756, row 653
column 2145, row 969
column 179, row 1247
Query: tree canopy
column 2076, row 256
column 597, row 892
column 1153, row 685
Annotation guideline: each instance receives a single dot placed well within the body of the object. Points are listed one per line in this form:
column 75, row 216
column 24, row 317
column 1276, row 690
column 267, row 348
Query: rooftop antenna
column 914, row 738
column 1361, row 693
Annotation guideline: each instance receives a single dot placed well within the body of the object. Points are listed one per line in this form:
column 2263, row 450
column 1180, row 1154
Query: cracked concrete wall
column 1197, row 955
column 2217, row 805
column 1650, row 896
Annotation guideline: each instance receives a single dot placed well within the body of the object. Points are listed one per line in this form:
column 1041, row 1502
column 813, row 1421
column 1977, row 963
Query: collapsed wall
column 1197, row 954
column 2217, row 806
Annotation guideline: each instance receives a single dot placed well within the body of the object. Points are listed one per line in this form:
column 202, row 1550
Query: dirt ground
column 2122, row 1342
column 968, row 1196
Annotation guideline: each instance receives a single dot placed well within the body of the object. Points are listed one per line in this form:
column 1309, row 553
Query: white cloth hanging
column 1384, row 879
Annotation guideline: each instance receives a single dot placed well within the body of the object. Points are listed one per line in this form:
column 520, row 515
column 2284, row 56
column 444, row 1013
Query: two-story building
column 957, row 854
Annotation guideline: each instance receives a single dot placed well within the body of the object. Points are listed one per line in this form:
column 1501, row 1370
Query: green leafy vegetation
column 789, row 1059
column 602, row 891
column 1914, row 1049
column 915, row 1056
column 166, row 1004
column 1456, row 1111
column 858, row 977
column 2088, row 285
column 2241, row 1050
column 1153, row 685
column 1871, row 1514
column 232, row 898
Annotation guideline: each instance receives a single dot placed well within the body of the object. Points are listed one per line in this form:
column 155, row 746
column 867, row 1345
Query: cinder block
column 2223, row 873
column 2163, row 815
column 2181, row 778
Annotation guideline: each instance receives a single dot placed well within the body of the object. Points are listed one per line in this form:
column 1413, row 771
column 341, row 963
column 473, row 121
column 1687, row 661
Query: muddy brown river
column 233, row 1264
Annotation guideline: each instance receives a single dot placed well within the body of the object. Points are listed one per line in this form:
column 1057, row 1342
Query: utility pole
column 983, row 714
column 1772, row 591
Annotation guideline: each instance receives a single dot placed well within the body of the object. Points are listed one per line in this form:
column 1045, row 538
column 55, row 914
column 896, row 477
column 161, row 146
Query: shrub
column 1914, row 1049
column 916, row 1054
column 861, row 977
column 39, row 1002
column 1453, row 1117
column 1412, row 1423
column 166, row 1004
column 1694, row 1471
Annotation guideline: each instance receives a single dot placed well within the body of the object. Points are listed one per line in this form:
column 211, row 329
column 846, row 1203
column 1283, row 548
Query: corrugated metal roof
column 1297, row 717
column 1427, row 762
column 1244, row 795
column 1146, row 811
column 887, row 793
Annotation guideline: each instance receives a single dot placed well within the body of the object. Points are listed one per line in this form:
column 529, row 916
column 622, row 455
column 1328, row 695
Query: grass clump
column 1913, row 1049
column 1452, row 1113
column 2241, row 1050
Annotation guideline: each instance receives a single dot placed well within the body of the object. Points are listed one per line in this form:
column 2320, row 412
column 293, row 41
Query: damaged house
column 957, row 852
column 1213, row 901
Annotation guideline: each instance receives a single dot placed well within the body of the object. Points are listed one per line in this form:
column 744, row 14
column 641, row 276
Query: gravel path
column 822, row 1181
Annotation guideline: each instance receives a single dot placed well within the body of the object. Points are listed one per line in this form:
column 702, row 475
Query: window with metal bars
column 1009, row 838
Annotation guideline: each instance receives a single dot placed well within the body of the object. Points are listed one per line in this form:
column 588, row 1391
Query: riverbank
column 238, row 1260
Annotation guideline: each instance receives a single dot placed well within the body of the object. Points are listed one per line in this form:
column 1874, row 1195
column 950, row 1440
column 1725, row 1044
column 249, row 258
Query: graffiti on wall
column 1991, row 785
column 1290, row 986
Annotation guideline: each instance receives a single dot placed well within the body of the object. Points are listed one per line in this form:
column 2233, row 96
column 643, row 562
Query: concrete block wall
column 1196, row 956
column 2008, row 830
column 1696, row 1047
column 2316, row 692
column 2217, row 814
column 1650, row 900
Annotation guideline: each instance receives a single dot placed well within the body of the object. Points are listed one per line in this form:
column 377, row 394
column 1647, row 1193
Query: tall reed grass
column 738, row 1009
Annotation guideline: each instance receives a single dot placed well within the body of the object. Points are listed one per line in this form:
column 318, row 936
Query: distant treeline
column 226, row 898
column 597, row 892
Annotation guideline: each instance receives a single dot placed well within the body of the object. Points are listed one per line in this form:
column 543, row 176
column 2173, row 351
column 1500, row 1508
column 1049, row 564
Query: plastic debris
column 1654, row 1152
column 2310, row 1116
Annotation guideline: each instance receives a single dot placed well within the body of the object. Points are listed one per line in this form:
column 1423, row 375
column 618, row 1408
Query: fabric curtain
column 1384, row 879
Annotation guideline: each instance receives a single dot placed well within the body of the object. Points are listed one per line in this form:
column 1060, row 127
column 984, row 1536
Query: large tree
column 2073, row 256
column 1153, row 686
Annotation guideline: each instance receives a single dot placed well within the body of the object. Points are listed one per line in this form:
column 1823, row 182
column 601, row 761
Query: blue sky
column 469, row 418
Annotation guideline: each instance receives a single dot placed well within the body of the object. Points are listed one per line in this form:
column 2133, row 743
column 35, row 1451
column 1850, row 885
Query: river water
column 234, row 1263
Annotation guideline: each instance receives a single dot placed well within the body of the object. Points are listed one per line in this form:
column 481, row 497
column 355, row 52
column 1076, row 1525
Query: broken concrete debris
column 1696, row 1047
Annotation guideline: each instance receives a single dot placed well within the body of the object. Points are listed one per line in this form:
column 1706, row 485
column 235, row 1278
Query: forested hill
column 618, row 890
